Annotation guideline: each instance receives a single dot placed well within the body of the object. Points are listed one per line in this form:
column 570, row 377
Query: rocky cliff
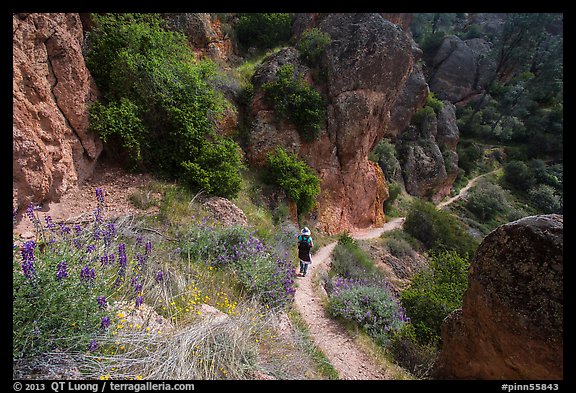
column 366, row 67
column 52, row 89
column 511, row 322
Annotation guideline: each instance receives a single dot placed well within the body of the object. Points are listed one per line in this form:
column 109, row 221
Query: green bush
column 434, row 293
column 295, row 177
column 350, row 261
column 545, row 199
column 297, row 102
column 312, row 45
column 518, row 175
column 119, row 125
column 159, row 102
column 486, row 200
column 372, row 308
column 385, row 155
column 438, row 229
column 263, row 30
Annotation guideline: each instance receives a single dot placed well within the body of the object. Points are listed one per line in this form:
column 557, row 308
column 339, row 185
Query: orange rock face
column 52, row 89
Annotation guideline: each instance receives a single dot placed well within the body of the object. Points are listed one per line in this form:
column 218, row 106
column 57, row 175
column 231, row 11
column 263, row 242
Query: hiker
column 305, row 243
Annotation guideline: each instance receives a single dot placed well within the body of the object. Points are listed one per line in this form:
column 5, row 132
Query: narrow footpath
column 346, row 357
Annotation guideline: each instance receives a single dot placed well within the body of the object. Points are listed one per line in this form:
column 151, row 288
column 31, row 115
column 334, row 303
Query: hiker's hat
column 306, row 231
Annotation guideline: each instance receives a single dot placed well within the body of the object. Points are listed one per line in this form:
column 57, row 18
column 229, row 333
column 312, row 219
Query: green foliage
column 312, row 45
column 295, row 100
column 422, row 114
column 350, row 261
column 410, row 354
column 263, row 30
column 517, row 175
column 545, row 199
column 372, row 308
column 385, row 155
column 119, row 125
column 486, row 200
column 438, row 229
column 434, row 102
column 434, row 293
column 160, row 103
column 295, row 177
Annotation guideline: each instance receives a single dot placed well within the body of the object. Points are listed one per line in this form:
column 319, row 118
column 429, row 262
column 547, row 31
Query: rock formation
column 52, row 89
column 366, row 66
column 427, row 155
column 511, row 322
column 459, row 69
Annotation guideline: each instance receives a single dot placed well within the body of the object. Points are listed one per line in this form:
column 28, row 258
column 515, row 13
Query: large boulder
column 511, row 322
column 52, row 88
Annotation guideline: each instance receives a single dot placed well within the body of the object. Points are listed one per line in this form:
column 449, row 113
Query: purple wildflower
column 159, row 276
column 102, row 303
column 100, row 195
column 139, row 301
column 148, row 247
column 62, row 273
column 27, row 253
column 49, row 223
column 105, row 322
column 92, row 345
column 87, row 274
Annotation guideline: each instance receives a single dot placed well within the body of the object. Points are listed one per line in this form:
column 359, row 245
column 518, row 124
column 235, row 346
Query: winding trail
column 344, row 354
column 346, row 357
column 463, row 191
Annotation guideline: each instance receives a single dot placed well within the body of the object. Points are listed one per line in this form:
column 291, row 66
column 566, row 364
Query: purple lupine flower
column 100, row 195
column 64, row 229
column 105, row 322
column 159, row 276
column 87, row 274
column 122, row 260
column 49, row 223
column 62, row 272
column 104, row 260
column 148, row 247
column 139, row 240
column 102, row 303
column 139, row 300
column 90, row 248
column 92, row 345
column 27, row 253
column 78, row 229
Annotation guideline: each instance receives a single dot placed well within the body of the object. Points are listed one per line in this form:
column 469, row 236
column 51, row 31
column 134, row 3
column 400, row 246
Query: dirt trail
column 346, row 357
column 463, row 191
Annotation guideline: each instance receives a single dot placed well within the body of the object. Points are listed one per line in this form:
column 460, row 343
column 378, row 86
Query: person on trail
column 305, row 243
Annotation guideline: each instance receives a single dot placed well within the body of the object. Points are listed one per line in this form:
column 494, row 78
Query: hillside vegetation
column 179, row 295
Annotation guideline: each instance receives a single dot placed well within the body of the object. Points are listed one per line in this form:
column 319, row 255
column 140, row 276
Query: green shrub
column 295, row 177
column 486, row 200
column 312, row 45
column 438, row 229
column 385, row 155
column 434, row 103
column 350, row 261
column 119, row 125
column 297, row 102
column 372, row 308
column 518, row 175
column 263, row 30
column 434, row 293
column 545, row 199
column 160, row 103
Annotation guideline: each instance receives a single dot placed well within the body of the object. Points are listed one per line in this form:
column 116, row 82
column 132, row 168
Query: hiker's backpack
column 304, row 246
